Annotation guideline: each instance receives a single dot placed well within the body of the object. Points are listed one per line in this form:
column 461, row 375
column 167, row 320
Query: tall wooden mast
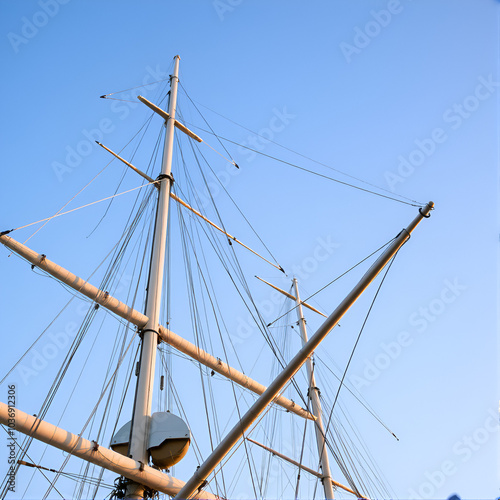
column 313, row 395
column 144, row 391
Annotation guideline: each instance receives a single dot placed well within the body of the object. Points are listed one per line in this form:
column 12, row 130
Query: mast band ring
column 423, row 215
column 150, row 330
column 166, row 176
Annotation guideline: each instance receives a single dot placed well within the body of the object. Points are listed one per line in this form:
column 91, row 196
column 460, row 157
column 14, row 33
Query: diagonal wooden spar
column 138, row 319
column 189, row 207
column 135, row 169
column 276, row 386
column 233, row 238
column 167, row 117
column 303, row 467
column 290, row 296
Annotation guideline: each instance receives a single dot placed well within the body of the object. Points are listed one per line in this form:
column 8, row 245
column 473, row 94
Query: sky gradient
column 402, row 94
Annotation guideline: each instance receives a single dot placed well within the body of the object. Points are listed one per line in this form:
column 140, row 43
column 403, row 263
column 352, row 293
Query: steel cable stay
column 209, row 126
column 220, row 251
column 366, row 455
column 260, row 324
column 309, row 409
column 145, row 127
column 58, row 379
column 319, row 359
column 192, row 145
column 327, row 441
column 359, row 336
column 69, row 398
column 346, row 448
column 60, row 213
column 64, row 307
column 336, row 454
column 204, row 280
column 68, row 475
column 47, row 403
column 337, row 278
column 25, row 451
column 106, row 413
column 130, row 371
column 89, row 183
column 208, row 190
column 301, row 458
column 61, row 469
column 94, row 410
column 210, row 289
column 196, row 321
column 196, row 329
column 412, row 203
column 106, row 96
column 289, row 149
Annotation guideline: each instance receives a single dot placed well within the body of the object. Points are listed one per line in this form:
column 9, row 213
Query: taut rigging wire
column 412, row 203
column 209, row 126
column 357, row 340
column 334, row 280
column 293, row 151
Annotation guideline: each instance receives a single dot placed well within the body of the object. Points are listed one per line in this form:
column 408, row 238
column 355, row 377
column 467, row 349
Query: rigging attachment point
column 166, row 176
column 422, row 214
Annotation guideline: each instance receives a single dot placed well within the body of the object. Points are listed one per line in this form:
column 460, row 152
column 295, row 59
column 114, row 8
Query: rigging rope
column 296, row 152
column 334, row 280
column 213, row 132
column 83, row 206
column 412, row 203
column 357, row 340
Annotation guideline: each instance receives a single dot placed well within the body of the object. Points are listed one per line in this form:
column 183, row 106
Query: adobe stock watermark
column 364, row 36
column 76, row 154
column 279, row 121
column 223, row 7
column 419, row 321
column 325, row 247
column 56, row 343
column 453, row 118
column 461, row 452
column 30, row 27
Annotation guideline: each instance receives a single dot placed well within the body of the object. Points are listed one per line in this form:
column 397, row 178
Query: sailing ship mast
column 135, row 466
column 313, row 394
column 141, row 419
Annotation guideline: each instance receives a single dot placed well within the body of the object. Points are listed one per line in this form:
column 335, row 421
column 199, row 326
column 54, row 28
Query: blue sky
column 402, row 94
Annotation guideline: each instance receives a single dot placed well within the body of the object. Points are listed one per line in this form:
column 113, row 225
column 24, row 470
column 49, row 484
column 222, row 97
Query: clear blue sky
column 400, row 93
